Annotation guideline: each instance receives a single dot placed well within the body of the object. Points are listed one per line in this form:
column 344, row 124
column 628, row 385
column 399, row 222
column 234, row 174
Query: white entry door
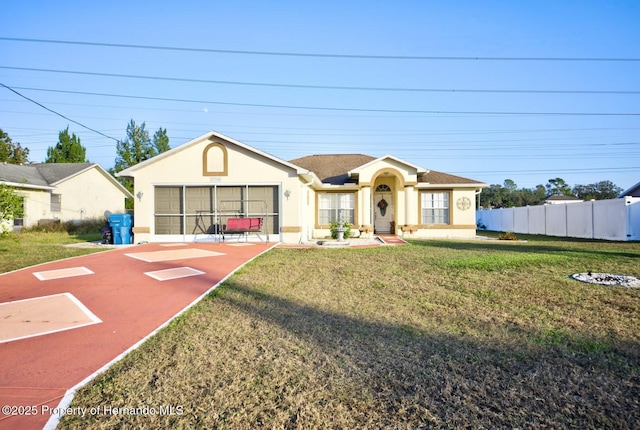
column 382, row 217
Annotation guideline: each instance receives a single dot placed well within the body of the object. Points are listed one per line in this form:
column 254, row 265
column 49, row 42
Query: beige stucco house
column 64, row 191
column 188, row 193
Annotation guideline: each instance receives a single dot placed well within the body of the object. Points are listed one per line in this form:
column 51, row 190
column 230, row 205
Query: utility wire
column 344, row 132
column 318, row 55
column 321, row 87
column 57, row 113
column 408, row 111
column 526, row 172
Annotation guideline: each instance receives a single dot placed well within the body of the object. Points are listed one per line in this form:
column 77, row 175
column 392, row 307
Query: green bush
column 509, row 235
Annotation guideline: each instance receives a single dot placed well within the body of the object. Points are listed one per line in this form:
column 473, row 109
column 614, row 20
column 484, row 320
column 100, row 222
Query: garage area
column 199, row 211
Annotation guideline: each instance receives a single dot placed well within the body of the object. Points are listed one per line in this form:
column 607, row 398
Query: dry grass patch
column 436, row 334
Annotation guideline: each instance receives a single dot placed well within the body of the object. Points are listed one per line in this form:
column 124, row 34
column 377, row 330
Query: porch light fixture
column 139, row 195
column 287, row 193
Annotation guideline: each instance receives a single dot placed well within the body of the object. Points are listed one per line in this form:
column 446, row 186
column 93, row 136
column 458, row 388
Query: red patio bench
column 242, row 226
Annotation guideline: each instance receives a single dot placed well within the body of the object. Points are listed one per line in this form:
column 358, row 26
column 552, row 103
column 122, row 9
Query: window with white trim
column 435, row 207
column 56, row 202
column 20, row 221
column 336, row 207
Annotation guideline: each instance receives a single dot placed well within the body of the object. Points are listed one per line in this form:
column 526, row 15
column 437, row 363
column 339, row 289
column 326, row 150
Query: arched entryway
column 383, row 208
column 387, row 200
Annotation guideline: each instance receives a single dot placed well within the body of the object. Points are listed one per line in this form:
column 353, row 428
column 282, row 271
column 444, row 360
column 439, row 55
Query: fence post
column 566, row 220
column 593, row 219
column 627, row 205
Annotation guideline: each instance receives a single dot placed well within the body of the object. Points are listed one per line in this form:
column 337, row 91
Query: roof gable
column 634, row 191
column 337, row 169
column 418, row 169
column 329, row 169
column 54, row 173
column 332, row 168
column 49, row 175
column 40, row 174
column 211, row 136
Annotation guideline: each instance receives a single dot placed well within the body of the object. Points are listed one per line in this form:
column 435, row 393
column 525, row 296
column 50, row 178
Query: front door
column 383, row 211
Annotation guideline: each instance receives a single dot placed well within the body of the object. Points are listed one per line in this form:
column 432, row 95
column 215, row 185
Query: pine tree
column 161, row 141
column 67, row 150
column 136, row 148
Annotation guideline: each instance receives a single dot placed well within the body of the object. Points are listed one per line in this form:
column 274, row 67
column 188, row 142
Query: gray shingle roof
column 435, row 177
column 39, row 174
column 333, row 168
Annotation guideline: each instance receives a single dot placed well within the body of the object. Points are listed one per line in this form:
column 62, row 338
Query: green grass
column 502, row 261
column 436, row 334
column 28, row 248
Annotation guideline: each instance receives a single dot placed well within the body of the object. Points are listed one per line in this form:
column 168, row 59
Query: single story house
column 64, row 191
column 191, row 191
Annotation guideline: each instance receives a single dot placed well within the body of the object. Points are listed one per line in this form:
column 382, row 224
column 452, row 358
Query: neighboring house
column 559, row 199
column 191, row 190
column 631, row 192
column 64, row 191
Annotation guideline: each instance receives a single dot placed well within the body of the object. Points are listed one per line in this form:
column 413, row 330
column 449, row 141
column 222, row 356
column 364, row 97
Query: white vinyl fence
column 616, row 219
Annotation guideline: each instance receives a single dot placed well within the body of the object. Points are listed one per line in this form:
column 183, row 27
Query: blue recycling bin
column 121, row 228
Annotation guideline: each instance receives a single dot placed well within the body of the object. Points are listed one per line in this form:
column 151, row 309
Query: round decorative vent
column 463, row 203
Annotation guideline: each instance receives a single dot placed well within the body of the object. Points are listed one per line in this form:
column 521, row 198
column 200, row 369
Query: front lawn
column 436, row 334
column 27, row 248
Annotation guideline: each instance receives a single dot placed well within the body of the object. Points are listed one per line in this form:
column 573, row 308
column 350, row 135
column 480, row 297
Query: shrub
column 78, row 228
column 6, row 226
column 509, row 235
column 87, row 226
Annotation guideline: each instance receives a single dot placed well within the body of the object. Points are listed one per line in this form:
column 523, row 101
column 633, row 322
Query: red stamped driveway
column 131, row 303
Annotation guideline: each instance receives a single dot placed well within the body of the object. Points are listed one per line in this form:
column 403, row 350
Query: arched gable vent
column 214, row 160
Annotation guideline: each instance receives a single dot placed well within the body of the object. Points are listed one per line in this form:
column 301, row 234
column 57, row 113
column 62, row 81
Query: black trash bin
column 107, row 235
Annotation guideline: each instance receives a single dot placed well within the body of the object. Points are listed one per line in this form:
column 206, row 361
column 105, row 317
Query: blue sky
column 449, row 89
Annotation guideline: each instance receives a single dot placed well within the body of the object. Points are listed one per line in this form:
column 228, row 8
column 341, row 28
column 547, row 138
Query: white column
column 365, row 202
column 411, row 202
column 401, row 202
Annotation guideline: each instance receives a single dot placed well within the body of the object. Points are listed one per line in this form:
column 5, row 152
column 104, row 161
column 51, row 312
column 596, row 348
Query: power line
column 57, row 113
column 405, row 111
column 319, row 55
column 345, row 132
column 537, row 171
column 321, row 87
column 402, row 144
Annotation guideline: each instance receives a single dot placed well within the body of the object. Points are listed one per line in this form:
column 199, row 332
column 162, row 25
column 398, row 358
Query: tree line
column 137, row 146
column 508, row 194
